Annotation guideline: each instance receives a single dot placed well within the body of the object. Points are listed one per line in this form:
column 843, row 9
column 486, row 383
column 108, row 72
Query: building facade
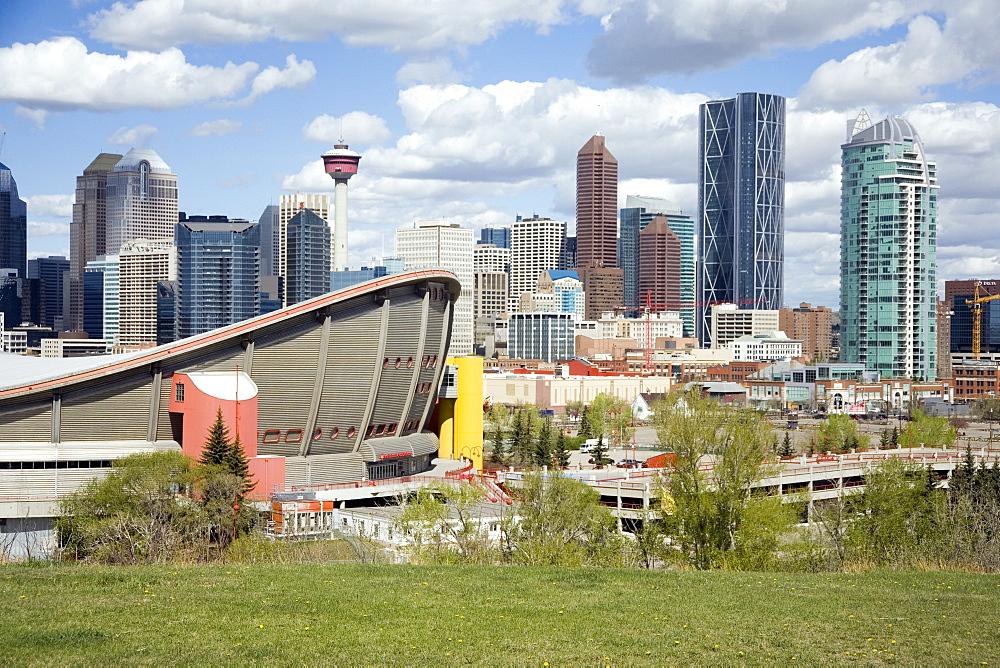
column 659, row 282
column 88, row 231
column 495, row 236
column 142, row 265
column 307, row 256
column 13, row 225
column 443, row 245
column 218, row 274
column 289, row 206
column 730, row 322
column 541, row 336
column 53, row 272
column 536, row 245
column 888, row 250
column 141, row 200
column 100, row 305
column 637, row 214
column 596, row 205
column 741, row 204
column 811, row 325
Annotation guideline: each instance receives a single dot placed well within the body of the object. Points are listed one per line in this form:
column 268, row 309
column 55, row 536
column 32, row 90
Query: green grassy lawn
column 409, row 615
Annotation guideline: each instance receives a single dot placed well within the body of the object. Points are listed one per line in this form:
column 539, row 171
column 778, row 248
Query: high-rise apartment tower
column 888, row 250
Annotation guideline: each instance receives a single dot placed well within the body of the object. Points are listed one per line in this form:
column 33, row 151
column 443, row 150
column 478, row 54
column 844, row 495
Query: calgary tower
column 341, row 164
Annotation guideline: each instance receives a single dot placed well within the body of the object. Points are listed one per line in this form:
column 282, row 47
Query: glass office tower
column 741, row 204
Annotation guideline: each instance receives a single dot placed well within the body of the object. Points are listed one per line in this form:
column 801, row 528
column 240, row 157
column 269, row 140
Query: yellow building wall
column 461, row 419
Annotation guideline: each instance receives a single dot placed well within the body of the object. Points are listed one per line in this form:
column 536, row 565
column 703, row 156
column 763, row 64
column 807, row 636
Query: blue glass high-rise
column 218, row 274
column 741, row 204
column 13, row 226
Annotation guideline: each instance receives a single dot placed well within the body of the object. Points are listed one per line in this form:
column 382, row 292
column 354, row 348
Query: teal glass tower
column 888, row 247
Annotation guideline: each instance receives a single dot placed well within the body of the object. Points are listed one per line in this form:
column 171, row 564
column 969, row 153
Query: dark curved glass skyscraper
column 741, row 204
column 13, row 226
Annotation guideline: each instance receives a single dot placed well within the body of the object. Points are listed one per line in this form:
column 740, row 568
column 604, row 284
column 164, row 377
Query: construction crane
column 976, row 304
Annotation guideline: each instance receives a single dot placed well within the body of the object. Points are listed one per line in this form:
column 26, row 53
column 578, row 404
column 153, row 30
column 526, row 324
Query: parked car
column 604, row 461
column 629, row 464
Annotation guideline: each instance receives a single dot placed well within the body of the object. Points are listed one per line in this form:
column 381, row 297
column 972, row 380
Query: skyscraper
column 888, row 250
column 100, row 298
column 437, row 243
column 141, row 200
column 88, row 231
column 307, row 255
column 142, row 264
column 597, row 227
column 289, row 206
column 536, row 245
column 741, row 204
column 596, row 205
column 13, row 226
column 53, row 272
column 218, row 274
column 659, row 266
column 270, row 247
column 637, row 214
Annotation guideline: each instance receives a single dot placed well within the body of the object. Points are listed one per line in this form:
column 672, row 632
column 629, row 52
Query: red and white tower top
column 341, row 163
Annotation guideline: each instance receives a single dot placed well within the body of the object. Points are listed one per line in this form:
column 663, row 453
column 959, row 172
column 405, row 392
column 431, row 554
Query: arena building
column 340, row 388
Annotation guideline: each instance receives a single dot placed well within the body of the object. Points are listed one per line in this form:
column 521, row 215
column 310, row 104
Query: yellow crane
column 977, row 317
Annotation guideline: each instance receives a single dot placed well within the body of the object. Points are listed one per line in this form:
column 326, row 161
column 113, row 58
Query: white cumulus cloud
column 50, row 205
column 295, row 75
column 643, row 38
column 356, row 127
column 218, row 128
column 400, row 26
column 137, row 136
column 61, row 74
column 964, row 50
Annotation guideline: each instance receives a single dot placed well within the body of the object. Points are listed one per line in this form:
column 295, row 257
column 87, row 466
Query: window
column 179, row 392
column 272, row 436
column 293, row 436
column 334, row 433
column 352, row 432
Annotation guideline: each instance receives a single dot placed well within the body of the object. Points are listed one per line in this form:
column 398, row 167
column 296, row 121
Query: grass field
column 409, row 615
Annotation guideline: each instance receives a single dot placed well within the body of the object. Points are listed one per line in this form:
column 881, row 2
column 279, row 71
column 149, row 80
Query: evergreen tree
column 521, row 443
column 543, row 446
column 599, row 452
column 885, row 440
column 560, row 454
column 498, row 435
column 894, row 438
column 585, row 422
column 786, row 449
column 237, row 463
column 217, row 446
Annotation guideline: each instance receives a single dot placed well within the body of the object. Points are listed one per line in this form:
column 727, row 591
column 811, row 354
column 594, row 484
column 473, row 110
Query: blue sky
column 473, row 111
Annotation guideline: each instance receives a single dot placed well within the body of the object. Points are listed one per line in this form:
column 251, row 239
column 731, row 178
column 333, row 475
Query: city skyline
column 453, row 126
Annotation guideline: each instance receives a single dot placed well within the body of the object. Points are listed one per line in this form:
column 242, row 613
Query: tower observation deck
column 341, row 164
